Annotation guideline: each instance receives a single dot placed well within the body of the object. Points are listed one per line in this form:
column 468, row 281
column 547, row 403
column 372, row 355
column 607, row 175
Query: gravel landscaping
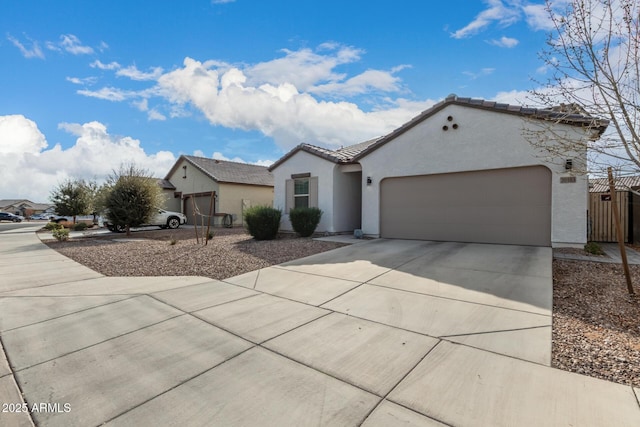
column 596, row 325
column 175, row 252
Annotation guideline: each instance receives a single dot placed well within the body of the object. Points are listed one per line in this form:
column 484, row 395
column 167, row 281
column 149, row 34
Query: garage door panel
column 475, row 215
column 510, row 206
column 201, row 205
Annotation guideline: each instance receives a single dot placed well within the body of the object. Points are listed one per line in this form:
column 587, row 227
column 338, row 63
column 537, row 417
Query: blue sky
column 85, row 86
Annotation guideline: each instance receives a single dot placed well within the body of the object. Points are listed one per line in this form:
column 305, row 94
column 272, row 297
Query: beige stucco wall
column 230, row 197
column 483, row 140
column 171, row 203
column 195, row 182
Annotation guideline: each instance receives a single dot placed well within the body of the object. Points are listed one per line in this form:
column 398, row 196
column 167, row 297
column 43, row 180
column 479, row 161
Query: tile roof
column 165, row 184
column 566, row 114
column 229, row 172
column 342, row 155
column 10, row 202
column 601, row 185
column 5, row 203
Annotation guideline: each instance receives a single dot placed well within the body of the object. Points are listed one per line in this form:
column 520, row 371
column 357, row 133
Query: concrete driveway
column 381, row 333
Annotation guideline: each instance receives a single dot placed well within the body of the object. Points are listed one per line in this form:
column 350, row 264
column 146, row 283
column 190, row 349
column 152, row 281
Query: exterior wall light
column 568, row 164
column 369, row 180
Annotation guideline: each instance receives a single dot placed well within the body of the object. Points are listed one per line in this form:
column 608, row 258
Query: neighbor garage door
column 201, row 206
column 507, row 206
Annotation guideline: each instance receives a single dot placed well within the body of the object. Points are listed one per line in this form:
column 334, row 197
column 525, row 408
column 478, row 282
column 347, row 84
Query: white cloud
column 72, row 44
column 304, row 68
column 222, row 1
column 82, row 81
column 109, row 94
column 30, row 170
column 370, row 80
column 538, row 17
column 496, row 12
column 33, row 52
column 503, row 41
column 219, row 156
column 154, row 114
column 110, row 66
column 477, row 74
column 300, row 96
column 68, row 42
column 505, row 13
column 280, row 111
column 133, row 73
column 142, row 105
column 20, row 135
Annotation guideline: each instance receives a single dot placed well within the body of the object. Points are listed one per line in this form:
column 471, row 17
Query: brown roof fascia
column 308, row 148
column 175, row 166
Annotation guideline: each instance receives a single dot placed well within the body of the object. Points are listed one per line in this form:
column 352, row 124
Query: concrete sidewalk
column 612, row 255
column 381, row 333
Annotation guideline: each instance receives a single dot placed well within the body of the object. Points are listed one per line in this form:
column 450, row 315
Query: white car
column 162, row 219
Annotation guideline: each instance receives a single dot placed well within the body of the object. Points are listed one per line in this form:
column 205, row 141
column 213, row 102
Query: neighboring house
column 601, row 222
column 25, row 207
column 233, row 187
column 460, row 171
column 172, row 203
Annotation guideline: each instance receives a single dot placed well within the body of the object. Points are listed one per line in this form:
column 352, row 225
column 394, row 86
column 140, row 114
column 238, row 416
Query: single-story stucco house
column 193, row 181
column 25, row 207
column 462, row 170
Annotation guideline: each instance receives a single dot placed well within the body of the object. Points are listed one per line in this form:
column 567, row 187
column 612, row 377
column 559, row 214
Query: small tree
column 593, row 52
column 131, row 196
column 71, row 198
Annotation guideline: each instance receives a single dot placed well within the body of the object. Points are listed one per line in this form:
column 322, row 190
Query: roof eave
column 307, row 149
column 598, row 124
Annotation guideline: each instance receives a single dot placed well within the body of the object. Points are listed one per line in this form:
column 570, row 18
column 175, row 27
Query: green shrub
column 305, row 220
column 53, row 226
column 81, row 226
column 593, row 248
column 263, row 222
column 61, row 234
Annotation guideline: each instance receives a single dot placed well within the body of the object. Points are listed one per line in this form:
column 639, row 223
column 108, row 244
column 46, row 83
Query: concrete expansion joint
column 180, row 384
column 280, row 267
column 98, row 343
column 128, row 297
column 495, row 352
column 458, row 300
column 395, row 386
column 3, row 294
column 14, row 380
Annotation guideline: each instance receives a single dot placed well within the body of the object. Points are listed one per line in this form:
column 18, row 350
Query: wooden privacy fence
column 601, row 225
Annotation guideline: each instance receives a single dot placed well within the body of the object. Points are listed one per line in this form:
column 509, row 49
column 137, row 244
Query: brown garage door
column 507, row 206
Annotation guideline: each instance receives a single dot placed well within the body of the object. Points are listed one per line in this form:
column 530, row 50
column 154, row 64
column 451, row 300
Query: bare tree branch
column 593, row 50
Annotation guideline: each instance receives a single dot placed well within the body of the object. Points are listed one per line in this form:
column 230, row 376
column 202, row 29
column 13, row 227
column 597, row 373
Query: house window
column 301, row 193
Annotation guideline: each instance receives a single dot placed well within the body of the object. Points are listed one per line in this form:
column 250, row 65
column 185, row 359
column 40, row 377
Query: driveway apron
column 379, row 333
